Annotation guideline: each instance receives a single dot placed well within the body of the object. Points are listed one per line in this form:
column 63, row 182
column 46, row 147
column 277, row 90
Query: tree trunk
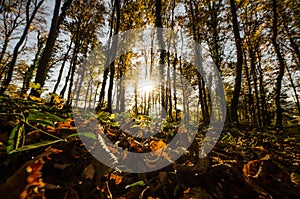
column 251, row 107
column 174, row 84
column 81, row 76
column 198, row 59
column 29, row 73
column 264, row 106
column 254, row 75
column 121, row 89
column 73, row 69
column 239, row 64
column 113, row 54
column 63, row 90
column 107, row 62
column 159, row 25
column 43, row 66
column 295, row 90
column 281, row 66
column 62, row 69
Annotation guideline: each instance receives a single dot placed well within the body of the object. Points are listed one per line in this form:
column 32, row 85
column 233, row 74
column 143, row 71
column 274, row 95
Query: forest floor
column 245, row 163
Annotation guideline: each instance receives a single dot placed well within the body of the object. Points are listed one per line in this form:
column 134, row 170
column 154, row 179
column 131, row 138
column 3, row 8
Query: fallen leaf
column 117, row 178
column 157, row 145
column 187, row 190
column 34, row 181
column 88, row 172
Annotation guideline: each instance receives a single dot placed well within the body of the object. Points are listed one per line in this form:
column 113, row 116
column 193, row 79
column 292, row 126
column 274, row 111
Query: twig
column 110, row 194
column 142, row 194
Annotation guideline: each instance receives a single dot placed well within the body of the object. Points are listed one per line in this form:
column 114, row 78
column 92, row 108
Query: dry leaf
column 157, row 145
column 34, row 181
column 117, row 178
column 187, row 190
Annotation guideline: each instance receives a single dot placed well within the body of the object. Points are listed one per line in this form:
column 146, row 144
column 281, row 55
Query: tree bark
column 43, row 66
column 62, row 69
column 113, row 54
column 239, row 64
column 159, row 25
column 107, row 62
column 281, row 66
column 29, row 73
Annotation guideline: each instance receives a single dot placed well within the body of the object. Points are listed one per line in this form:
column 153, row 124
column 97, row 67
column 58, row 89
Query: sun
column 146, row 86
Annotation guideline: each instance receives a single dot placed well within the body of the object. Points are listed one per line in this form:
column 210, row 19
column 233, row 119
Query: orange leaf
column 251, row 168
column 50, row 129
column 111, row 133
column 157, row 145
column 117, row 178
column 187, row 191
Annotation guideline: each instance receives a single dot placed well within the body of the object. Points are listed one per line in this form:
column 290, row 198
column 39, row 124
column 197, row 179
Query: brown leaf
column 251, row 168
column 89, row 172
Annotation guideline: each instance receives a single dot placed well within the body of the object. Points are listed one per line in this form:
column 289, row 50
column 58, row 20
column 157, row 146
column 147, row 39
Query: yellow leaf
column 35, row 98
column 34, row 85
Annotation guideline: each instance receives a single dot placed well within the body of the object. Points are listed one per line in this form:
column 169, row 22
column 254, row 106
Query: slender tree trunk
column 72, row 63
column 102, row 91
column 239, row 64
column 107, row 62
column 175, row 60
column 29, row 73
column 201, row 99
column 294, row 89
column 110, row 87
column 135, row 108
column 281, row 66
column 264, row 106
column 160, row 38
column 168, row 87
column 113, row 54
column 118, row 87
column 62, row 69
column 122, row 93
column 174, row 84
column 184, row 97
column 216, row 50
column 254, row 75
column 95, row 97
column 206, row 101
column 251, row 107
column 81, row 76
column 73, row 69
column 86, row 100
column 198, row 59
column 91, row 82
column 63, row 90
